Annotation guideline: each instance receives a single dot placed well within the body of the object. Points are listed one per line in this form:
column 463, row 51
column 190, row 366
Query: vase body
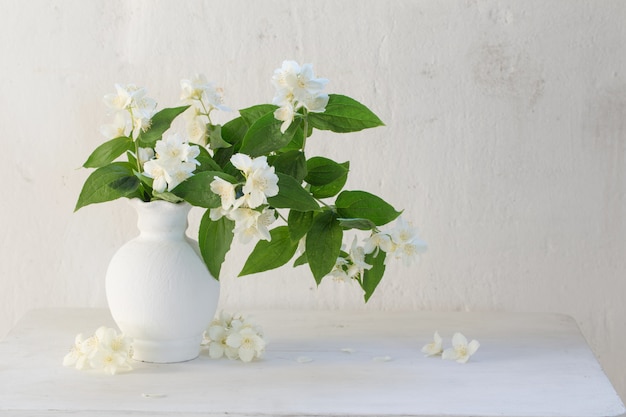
column 159, row 290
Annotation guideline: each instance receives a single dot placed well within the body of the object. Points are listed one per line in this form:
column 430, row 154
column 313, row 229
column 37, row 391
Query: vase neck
column 161, row 219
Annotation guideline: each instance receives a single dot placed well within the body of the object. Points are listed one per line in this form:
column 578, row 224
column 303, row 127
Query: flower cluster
column 204, row 97
column 297, row 87
column 246, row 203
column 401, row 242
column 250, row 172
column 129, row 103
column 234, row 337
column 172, row 162
column 460, row 351
column 105, row 350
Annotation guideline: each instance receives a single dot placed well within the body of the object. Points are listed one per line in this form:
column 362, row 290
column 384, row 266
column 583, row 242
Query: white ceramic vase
column 159, row 290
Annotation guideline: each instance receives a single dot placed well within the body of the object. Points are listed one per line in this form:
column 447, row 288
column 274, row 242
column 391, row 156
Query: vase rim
column 139, row 202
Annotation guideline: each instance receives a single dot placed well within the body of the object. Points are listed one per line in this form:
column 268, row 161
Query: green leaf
column 215, row 238
column 215, row 138
column 361, row 204
column 323, row 171
column 333, row 188
column 108, row 152
column 299, row 223
column 372, row 276
column 234, row 130
column 222, row 156
column 264, row 136
column 301, row 260
column 207, row 163
column 108, row 183
column 251, row 114
column 323, row 243
column 196, row 190
column 291, row 195
column 344, row 114
column 292, row 163
column 296, row 143
column 167, row 196
column 269, row 255
column 361, row 224
column 161, row 121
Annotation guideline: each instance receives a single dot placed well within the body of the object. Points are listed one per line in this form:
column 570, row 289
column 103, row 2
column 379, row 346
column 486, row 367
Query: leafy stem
column 305, row 127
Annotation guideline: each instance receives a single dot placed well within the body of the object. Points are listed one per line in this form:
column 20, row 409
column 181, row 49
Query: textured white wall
column 504, row 143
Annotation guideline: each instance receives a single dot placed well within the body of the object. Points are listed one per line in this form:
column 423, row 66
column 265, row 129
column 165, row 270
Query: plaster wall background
column 504, row 143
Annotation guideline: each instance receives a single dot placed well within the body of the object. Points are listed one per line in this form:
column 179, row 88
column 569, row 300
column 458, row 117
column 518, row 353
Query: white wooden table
column 321, row 364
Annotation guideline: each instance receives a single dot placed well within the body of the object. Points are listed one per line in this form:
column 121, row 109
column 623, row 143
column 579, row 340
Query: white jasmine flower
column 357, row 257
column 460, row 350
column 248, row 343
column 108, row 361
column 175, row 148
column 435, row 347
column 247, row 165
column 218, row 212
column 194, row 89
column 123, row 97
column 141, row 123
column 117, row 128
column 175, row 162
column 196, row 125
column 315, row 103
column 110, row 339
column 244, row 217
column 105, row 350
column 155, row 170
column 178, row 173
column 225, row 190
column 200, row 89
column 297, row 87
column 339, row 273
column 260, row 184
column 145, row 154
column 214, row 97
column 286, row 76
column 299, row 81
column 376, row 241
column 409, row 251
column 90, row 345
column 261, row 181
column 234, row 337
column 406, row 243
column 76, row 356
column 216, row 340
column 285, row 114
column 251, row 224
column 267, row 217
column 144, row 105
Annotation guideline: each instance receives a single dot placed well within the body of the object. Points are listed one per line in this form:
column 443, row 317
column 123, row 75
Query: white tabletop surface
column 321, row 364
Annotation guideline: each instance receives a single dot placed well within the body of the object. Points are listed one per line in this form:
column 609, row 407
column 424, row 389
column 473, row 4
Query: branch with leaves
column 251, row 172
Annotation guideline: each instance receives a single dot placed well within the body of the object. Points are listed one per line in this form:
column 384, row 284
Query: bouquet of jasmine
column 253, row 177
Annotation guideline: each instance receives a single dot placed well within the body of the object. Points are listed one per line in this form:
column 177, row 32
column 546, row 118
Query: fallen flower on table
column 105, row 350
column 435, row 347
column 234, row 337
column 461, row 350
